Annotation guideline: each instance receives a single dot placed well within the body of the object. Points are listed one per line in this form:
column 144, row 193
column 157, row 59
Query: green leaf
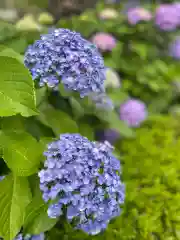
column 77, row 108
column 36, row 218
column 8, row 52
column 118, row 96
column 63, row 91
column 116, row 124
column 86, row 131
column 59, row 121
column 16, row 89
column 21, row 152
column 13, row 123
column 141, row 49
column 40, row 95
column 113, row 121
column 15, row 195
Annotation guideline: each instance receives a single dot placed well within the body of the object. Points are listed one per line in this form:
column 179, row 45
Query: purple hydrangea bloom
column 175, row 49
column 176, row 5
column 64, row 55
column 135, row 15
column 167, row 17
column 84, row 176
column 133, row 112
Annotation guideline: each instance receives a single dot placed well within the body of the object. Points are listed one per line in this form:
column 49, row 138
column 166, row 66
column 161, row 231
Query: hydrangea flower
column 111, row 135
column 135, row 15
column 167, row 17
column 175, row 49
column 104, row 41
column 112, row 79
column 64, row 55
column 108, row 13
column 133, row 112
column 102, row 101
column 83, row 180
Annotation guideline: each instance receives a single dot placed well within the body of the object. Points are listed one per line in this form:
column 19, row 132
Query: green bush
column 151, row 172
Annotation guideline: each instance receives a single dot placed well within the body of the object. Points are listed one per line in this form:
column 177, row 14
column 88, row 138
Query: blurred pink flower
column 136, row 15
column 104, row 41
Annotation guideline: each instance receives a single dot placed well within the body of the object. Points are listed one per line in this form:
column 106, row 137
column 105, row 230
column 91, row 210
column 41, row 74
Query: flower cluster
column 175, row 48
column 82, row 178
column 135, row 15
column 104, row 41
column 167, row 17
column 64, row 55
column 133, row 112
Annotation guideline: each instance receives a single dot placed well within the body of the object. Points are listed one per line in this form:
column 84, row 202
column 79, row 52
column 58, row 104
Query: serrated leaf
column 21, row 152
column 36, row 219
column 16, row 89
column 59, row 121
column 15, row 195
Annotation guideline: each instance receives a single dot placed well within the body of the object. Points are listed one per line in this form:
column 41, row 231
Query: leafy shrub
column 151, row 174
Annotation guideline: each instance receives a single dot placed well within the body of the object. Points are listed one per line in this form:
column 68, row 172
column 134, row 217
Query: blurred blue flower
column 111, row 135
column 102, row 101
column 63, row 55
column 84, row 176
column 175, row 48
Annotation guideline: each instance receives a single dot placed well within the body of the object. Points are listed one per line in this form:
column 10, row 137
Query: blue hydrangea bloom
column 63, row 55
column 82, row 178
column 102, row 101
